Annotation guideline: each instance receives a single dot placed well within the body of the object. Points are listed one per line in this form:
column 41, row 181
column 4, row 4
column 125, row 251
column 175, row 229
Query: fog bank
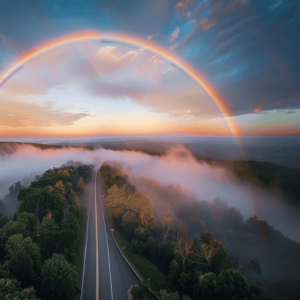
column 198, row 180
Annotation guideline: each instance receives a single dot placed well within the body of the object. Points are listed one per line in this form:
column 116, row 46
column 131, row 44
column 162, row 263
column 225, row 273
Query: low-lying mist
column 178, row 167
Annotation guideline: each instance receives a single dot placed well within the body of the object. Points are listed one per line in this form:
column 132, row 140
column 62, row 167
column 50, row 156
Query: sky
column 211, row 67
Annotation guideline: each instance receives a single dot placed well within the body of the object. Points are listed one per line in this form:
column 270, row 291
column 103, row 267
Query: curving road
column 105, row 273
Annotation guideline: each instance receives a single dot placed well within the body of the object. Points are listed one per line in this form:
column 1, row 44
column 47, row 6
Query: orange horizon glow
column 96, row 35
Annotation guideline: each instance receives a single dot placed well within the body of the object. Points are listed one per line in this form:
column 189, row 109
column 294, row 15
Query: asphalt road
column 105, row 274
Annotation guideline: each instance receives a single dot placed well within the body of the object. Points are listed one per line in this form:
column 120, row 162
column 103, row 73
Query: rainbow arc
column 96, row 35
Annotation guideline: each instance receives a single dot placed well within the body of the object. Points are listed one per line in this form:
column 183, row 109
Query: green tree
column 207, row 285
column 2, row 207
column 164, row 295
column 9, row 229
column 3, row 271
column 11, row 289
column 59, row 278
column 233, row 284
column 141, row 292
column 49, row 237
column 28, row 219
column 229, row 284
column 4, row 220
column 25, row 259
column 174, row 265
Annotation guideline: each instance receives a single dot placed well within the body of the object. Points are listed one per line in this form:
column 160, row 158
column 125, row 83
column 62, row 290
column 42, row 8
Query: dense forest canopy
column 41, row 246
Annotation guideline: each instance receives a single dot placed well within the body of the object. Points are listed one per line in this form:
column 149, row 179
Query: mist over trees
column 168, row 244
column 250, row 246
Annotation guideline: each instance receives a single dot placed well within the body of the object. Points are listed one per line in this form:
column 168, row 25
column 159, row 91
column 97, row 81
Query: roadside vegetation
column 41, row 246
column 162, row 251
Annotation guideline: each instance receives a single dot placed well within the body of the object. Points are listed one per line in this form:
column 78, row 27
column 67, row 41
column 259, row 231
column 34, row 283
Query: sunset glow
column 94, row 35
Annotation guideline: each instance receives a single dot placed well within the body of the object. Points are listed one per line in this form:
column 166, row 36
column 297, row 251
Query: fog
column 198, row 180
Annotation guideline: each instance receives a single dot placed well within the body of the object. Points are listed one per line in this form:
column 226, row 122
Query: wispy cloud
column 20, row 114
column 175, row 34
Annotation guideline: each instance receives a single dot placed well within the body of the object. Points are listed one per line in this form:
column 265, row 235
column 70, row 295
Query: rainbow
column 96, row 35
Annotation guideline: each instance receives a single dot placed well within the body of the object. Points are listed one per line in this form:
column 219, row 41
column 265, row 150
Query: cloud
column 175, row 34
column 221, row 10
column 20, row 88
column 258, row 109
column 183, row 6
column 18, row 114
column 213, row 11
column 193, row 102
column 109, row 59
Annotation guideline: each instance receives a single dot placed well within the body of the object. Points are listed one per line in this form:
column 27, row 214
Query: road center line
column 86, row 241
column 108, row 257
column 97, row 250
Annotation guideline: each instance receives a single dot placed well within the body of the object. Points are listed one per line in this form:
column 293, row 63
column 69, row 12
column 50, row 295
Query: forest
column 176, row 261
column 41, row 246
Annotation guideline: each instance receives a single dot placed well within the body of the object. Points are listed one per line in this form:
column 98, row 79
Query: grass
column 144, row 267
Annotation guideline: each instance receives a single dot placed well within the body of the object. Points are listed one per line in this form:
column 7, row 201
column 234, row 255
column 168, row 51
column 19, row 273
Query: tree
column 49, row 237
column 59, row 278
column 115, row 201
column 229, row 284
column 61, row 188
column 166, row 228
column 11, row 228
column 11, row 289
column 233, row 284
column 207, row 285
column 164, row 295
column 4, row 220
column 80, row 184
column 184, row 245
column 208, row 251
column 213, row 251
column 111, row 176
column 141, row 292
column 2, row 207
column 28, row 219
column 63, row 172
column 25, row 259
column 139, row 210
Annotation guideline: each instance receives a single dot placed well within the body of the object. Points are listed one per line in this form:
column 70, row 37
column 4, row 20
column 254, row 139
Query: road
column 105, row 274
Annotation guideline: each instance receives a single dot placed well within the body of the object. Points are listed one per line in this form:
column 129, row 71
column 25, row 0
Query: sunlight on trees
column 139, row 210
